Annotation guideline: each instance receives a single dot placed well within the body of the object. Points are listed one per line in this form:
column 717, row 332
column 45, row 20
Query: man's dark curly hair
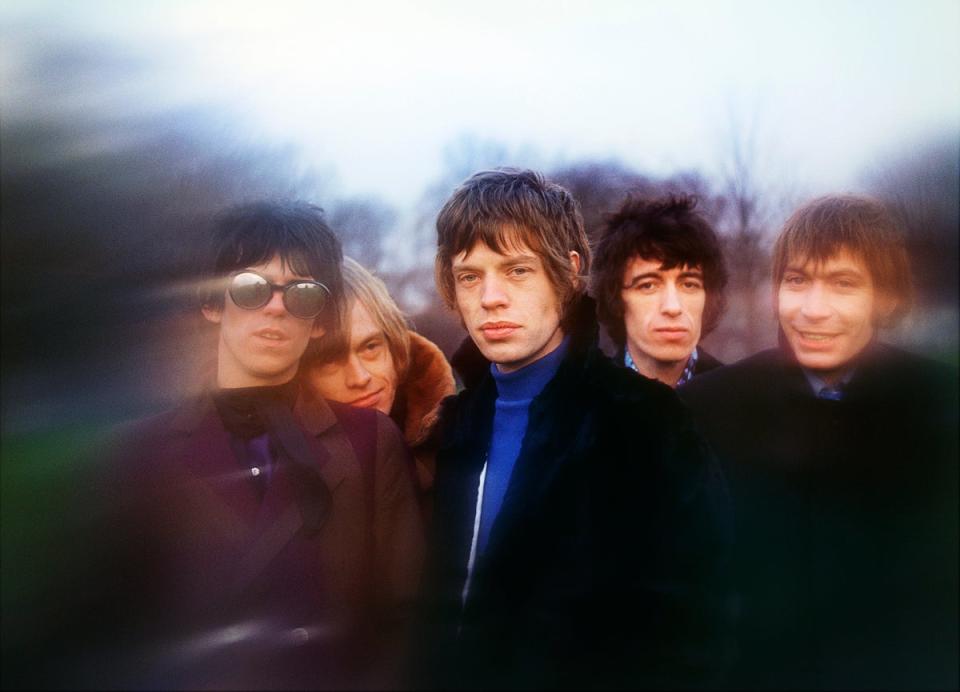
column 668, row 229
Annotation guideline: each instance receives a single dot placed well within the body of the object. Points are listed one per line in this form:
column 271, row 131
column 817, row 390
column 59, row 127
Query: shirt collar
column 685, row 376
column 818, row 384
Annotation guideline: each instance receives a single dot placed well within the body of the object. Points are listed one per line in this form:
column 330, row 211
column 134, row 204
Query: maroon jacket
column 225, row 585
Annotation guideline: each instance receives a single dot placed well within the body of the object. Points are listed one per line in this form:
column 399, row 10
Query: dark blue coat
column 607, row 564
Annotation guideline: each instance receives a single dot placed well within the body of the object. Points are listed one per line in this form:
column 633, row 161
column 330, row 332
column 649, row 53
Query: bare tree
column 745, row 228
column 362, row 224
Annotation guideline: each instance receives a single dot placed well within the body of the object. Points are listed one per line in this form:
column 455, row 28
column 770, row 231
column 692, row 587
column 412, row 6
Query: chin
column 820, row 364
column 511, row 356
column 672, row 355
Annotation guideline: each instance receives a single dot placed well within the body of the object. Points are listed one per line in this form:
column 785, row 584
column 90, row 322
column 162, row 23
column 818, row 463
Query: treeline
column 100, row 216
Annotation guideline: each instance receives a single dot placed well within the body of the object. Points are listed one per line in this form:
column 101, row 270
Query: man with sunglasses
column 268, row 538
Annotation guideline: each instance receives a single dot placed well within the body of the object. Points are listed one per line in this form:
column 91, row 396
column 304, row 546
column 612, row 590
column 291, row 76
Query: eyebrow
column 846, row 274
column 690, row 273
column 375, row 333
column 795, row 269
column 838, row 273
column 505, row 263
column 640, row 277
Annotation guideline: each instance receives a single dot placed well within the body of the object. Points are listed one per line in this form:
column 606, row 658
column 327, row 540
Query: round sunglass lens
column 305, row 299
column 250, row 291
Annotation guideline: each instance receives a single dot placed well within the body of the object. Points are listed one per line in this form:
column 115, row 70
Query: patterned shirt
column 685, row 376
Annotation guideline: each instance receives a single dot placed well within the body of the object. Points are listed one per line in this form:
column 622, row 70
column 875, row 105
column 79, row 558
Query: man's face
column 662, row 312
column 367, row 377
column 507, row 304
column 827, row 311
column 263, row 346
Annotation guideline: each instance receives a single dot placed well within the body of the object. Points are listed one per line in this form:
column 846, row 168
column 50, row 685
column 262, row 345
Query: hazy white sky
column 376, row 89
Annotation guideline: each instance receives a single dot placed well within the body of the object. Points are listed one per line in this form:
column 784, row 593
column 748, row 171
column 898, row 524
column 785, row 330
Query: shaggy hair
column 667, row 229
column 826, row 226
column 362, row 286
column 251, row 234
column 506, row 208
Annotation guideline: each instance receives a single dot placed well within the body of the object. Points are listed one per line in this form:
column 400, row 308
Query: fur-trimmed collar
column 429, row 380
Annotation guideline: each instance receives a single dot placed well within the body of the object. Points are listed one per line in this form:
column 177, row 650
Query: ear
column 575, row 262
column 212, row 314
column 885, row 307
column 317, row 331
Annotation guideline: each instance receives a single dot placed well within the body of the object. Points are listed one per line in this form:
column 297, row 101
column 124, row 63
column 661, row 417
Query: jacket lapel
column 203, row 451
column 333, row 458
column 258, row 530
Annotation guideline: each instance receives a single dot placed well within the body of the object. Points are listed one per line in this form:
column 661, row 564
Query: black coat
column 846, row 519
column 607, row 564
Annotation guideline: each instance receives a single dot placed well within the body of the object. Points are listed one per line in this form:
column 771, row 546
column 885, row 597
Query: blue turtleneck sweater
column 515, row 391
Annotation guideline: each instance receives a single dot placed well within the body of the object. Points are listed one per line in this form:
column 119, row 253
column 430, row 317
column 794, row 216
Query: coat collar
column 313, row 413
column 204, row 445
column 427, row 382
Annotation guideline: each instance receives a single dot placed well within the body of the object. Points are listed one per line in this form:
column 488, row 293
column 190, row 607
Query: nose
column 493, row 295
column 275, row 305
column 670, row 301
column 815, row 305
column 357, row 376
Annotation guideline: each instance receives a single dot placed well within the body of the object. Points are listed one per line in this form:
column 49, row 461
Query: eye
column 845, row 284
column 467, row 278
column 794, row 280
column 692, row 285
column 371, row 348
column 646, row 286
column 520, row 271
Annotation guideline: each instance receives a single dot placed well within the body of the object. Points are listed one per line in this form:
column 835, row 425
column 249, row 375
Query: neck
column 552, row 344
column 528, row 381
column 230, row 375
column 229, row 381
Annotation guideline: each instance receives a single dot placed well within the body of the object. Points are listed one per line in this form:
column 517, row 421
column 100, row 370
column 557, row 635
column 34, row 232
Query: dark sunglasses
column 302, row 298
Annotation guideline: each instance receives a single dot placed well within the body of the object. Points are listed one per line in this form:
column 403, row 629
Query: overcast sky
column 375, row 90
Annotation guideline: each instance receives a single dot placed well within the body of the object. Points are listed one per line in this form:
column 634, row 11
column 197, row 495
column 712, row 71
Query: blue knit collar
column 528, row 381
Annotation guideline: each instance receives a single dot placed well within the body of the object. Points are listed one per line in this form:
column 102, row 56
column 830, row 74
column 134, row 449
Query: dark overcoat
column 846, row 519
column 207, row 578
column 607, row 563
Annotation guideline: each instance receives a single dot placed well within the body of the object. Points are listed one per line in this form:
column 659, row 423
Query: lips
column 273, row 335
column 368, row 400
column 498, row 330
column 815, row 340
column 673, row 333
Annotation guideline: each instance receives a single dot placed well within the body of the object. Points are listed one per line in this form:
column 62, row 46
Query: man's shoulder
column 358, row 422
column 373, row 438
column 614, row 393
column 706, row 362
column 146, row 431
column 908, row 375
column 624, row 385
column 142, row 453
column 891, row 357
column 742, row 376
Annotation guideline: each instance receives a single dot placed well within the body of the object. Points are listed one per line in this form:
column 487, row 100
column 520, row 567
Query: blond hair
column 362, row 286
